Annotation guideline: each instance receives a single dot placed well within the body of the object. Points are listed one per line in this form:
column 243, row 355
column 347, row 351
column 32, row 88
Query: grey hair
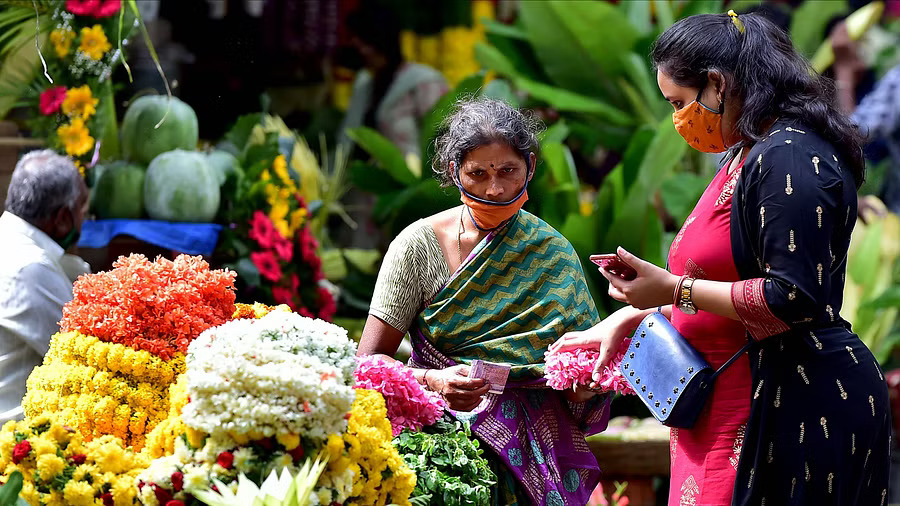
column 43, row 183
column 479, row 122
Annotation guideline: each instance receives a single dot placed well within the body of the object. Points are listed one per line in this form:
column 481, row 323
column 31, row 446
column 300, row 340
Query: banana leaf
column 809, row 20
column 579, row 43
column 386, row 153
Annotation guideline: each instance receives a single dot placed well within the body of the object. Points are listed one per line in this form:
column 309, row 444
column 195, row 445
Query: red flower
column 174, row 502
column 78, row 459
column 327, row 305
column 284, row 248
column 267, row 264
column 94, row 8
column 21, row 450
column 283, row 295
column 177, row 481
column 225, row 459
column 52, row 99
column 262, row 230
column 107, row 499
column 163, row 496
column 296, row 453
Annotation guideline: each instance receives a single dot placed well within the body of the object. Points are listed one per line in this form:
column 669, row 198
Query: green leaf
column 695, row 7
column 635, row 154
column 664, row 16
column 638, row 14
column 384, row 152
column 562, row 168
column 556, row 132
column 500, row 89
column 680, row 194
column 809, row 20
column 565, row 100
column 9, row 492
column 239, row 133
column 492, row 58
column 364, row 260
column 372, row 178
column 863, row 272
column 246, row 270
column 494, row 27
column 631, row 221
column 575, row 52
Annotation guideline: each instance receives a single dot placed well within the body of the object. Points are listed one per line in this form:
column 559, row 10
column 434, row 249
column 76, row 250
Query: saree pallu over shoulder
column 516, row 294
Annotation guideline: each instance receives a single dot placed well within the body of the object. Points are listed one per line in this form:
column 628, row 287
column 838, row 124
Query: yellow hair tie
column 737, row 22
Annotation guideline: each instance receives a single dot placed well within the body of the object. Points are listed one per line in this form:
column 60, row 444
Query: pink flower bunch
column 574, row 367
column 409, row 405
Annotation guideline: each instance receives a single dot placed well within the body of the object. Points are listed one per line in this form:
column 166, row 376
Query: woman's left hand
column 653, row 286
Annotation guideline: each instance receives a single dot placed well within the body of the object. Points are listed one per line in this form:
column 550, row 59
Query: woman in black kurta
column 819, row 426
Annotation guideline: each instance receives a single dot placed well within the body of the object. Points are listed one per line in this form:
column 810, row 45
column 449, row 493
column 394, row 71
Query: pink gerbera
column 51, row 99
column 262, row 230
column 267, row 264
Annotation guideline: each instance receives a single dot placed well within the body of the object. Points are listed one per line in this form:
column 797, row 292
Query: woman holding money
column 487, row 285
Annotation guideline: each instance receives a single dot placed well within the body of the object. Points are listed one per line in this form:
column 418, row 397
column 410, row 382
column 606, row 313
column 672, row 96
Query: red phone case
column 612, row 263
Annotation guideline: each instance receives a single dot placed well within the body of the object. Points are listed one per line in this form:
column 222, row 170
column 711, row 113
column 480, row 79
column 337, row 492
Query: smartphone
column 612, row 263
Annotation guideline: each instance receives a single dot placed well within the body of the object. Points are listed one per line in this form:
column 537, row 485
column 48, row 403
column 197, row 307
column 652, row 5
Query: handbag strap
column 732, row 359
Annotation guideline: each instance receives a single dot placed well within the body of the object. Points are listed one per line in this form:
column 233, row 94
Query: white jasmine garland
column 282, row 373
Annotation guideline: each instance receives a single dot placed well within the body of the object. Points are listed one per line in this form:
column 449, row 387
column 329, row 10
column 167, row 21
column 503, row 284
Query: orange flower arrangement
column 156, row 306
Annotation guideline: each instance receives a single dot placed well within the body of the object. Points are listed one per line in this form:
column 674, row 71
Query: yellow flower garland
column 102, row 388
column 366, row 448
column 60, row 468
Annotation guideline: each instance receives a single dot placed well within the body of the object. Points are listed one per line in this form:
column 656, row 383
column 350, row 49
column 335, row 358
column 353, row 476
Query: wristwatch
column 685, row 300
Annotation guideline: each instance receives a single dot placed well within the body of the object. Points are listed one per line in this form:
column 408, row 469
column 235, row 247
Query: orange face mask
column 701, row 126
column 487, row 214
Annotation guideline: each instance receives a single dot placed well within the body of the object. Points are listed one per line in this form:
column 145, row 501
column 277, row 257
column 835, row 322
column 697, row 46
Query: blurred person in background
column 389, row 95
column 45, row 208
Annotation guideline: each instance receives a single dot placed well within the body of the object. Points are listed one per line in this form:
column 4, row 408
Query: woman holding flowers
column 489, row 281
column 804, row 419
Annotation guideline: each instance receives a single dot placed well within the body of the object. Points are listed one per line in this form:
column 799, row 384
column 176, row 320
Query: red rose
column 163, row 496
column 178, row 481
column 78, row 459
column 21, row 450
column 107, row 499
column 225, row 459
column 52, row 99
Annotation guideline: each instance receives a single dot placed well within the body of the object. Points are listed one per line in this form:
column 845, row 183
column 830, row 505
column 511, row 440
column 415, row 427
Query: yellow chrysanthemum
column 42, row 446
column 281, row 170
column 297, row 217
column 80, row 102
column 62, row 41
column 94, row 42
column 75, row 137
column 49, row 465
column 78, row 493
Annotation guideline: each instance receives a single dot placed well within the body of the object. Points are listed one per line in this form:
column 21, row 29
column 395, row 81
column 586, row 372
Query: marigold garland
column 102, row 388
column 59, row 468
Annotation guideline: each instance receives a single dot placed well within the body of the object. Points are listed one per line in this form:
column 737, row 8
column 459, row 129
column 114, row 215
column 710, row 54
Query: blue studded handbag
column 667, row 373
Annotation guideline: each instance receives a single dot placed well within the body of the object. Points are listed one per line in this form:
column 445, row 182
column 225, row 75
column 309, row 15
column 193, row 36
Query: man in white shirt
column 45, row 207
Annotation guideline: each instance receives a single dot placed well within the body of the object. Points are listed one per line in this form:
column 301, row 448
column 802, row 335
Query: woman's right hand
column 605, row 337
column 453, row 384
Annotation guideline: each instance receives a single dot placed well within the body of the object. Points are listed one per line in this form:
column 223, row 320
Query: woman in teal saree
column 489, row 281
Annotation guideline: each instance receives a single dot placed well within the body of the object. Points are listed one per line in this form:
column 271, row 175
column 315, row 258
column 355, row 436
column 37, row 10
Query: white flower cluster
column 280, row 374
column 332, row 488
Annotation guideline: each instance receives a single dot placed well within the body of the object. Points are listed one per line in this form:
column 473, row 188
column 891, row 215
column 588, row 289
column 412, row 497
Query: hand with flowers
column 454, row 386
column 605, row 338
